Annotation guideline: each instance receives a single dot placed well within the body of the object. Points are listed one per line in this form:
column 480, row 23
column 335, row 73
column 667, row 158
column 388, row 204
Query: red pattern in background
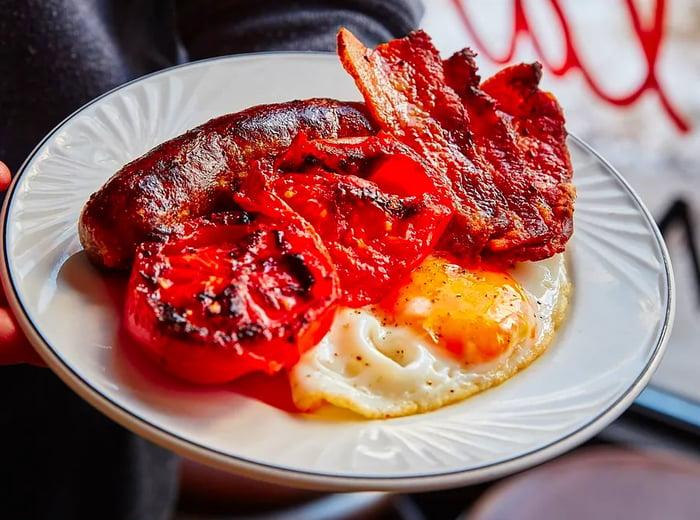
column 650, row 40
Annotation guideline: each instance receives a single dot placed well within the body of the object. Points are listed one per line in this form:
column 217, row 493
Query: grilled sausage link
column 196, row 173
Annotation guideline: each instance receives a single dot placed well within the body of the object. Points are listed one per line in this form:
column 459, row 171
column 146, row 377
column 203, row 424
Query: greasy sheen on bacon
column 497, row 150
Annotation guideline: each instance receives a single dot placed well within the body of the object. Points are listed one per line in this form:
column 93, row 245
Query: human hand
column 14, row 346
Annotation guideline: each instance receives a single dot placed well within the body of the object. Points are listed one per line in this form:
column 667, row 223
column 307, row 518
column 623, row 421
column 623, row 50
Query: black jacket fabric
column 55, row 55
column 59, row 458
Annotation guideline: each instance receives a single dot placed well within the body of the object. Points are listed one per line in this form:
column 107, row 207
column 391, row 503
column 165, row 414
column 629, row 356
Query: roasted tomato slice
column 374, row 238
column 234, row 293
column 392, row 165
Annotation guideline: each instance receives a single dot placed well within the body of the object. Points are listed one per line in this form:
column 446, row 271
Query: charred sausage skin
column 196, row 173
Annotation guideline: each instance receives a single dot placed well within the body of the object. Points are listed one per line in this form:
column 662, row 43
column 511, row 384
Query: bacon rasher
column 498, row 150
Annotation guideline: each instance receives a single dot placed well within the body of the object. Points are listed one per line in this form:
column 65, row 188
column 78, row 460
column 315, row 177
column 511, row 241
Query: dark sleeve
column 215, row 27
column 62, row 459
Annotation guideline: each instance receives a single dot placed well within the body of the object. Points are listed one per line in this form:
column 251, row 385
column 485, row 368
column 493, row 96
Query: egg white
column 380, row 370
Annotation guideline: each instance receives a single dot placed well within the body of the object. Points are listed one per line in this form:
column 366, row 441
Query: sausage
column 197, row 173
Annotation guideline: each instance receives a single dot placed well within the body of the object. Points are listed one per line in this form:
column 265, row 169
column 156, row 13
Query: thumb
column 5, row 177
column 14, row 346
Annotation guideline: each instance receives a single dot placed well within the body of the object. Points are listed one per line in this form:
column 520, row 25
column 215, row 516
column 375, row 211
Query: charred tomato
column 374, row 238
column 234, row 293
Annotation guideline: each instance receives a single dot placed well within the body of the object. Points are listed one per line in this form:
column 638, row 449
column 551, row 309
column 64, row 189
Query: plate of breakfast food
column 370, row 271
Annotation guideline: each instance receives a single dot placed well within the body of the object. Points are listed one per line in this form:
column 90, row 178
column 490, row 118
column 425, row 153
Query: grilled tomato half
column 236, row 292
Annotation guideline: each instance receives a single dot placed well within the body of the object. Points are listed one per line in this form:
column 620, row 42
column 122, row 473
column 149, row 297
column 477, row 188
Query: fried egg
column 447, row 334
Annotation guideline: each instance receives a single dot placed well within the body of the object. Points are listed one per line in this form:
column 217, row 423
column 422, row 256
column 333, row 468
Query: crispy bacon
column 509, row 183
column 536, row 131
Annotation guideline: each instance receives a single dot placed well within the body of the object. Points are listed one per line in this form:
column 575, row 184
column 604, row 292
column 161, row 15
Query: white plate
column 602, row 358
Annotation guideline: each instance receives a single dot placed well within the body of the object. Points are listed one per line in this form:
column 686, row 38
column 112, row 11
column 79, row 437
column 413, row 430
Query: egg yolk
column 476, row 315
